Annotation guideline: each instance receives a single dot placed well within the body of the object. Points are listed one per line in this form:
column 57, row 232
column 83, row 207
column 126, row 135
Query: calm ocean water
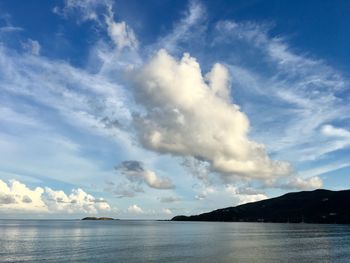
column 157, row 241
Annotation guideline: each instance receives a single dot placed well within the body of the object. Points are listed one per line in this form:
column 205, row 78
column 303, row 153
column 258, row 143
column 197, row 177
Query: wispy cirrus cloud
column 100, row 12
column 83, row 10
column 50, row 83
column 6, row 25
column 302, row 94
column 191, row 26
column 32, row 46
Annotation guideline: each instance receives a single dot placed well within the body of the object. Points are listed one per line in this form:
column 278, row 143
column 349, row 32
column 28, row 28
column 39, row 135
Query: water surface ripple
column 163, row 241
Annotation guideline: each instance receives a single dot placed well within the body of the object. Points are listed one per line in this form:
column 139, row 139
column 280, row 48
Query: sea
column 167, row 241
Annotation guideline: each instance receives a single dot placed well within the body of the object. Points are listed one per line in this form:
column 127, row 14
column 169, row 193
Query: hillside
column 319, row 206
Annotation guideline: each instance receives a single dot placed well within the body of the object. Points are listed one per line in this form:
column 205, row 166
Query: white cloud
column 207, row 190
column 302, row 93
column 84, row 9
column 7, row 27
column 134, row 172
column 310, row 183
column 247, row 191
column 319, row 170
column 101, row 12
column 195, row 119
column 76, row 202
column 32, row 46
column 187, row 29
column 167, row 211
column 330, row 130
column 219, row 81
column 93, row 104
column 243, row 199
column 49, row 82
column 213, row 197
column 17, row 197
column 153, row 181
column 122, row 35
column 135, row 209
column 244, row 195
column 197, row 168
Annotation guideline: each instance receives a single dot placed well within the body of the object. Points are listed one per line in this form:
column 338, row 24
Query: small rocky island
column 98, row 218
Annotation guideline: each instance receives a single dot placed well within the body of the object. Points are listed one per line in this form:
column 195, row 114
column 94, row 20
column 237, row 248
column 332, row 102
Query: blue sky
column 149, row 110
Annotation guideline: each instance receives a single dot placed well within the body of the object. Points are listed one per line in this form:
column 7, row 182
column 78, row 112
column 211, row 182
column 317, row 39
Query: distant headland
column 318, row 206
column 98, row 218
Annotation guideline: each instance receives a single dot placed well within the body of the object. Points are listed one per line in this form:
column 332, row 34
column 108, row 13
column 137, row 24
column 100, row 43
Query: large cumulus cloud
column 189, row 114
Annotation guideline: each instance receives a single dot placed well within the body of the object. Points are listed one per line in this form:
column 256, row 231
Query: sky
column 147, row 110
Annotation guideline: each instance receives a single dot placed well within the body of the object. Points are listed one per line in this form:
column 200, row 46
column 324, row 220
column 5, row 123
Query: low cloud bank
column 16, row 196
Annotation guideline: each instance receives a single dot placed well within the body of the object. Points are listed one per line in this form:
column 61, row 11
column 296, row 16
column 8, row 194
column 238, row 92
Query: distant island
column 318, row 206
column 98, row 218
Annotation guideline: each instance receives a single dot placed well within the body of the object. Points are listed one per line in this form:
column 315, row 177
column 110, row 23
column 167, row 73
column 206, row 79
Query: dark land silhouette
column 318, row 206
